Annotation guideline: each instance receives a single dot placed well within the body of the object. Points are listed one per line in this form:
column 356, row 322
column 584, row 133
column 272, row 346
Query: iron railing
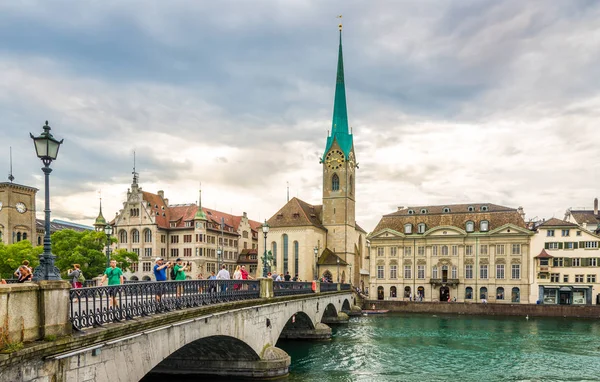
column 345, row 287
column 91, row 307
column 329, row 287
column 287, row 288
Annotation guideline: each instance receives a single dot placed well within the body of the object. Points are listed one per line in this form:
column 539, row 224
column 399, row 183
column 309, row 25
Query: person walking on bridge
column 115, row 277
column 160, row 274
column 223, row 275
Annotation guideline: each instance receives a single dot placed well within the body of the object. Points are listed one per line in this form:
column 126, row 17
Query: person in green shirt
column 115, row 277
column 179, row 275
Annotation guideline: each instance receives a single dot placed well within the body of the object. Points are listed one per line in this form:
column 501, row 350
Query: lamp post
column 316, row 259
column 218, row 259
column 108, row 231
column 265, row 229
column 338, row 271
column 46, row 148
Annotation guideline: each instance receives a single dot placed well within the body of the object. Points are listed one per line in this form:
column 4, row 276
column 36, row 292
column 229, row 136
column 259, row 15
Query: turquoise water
column 398, row 347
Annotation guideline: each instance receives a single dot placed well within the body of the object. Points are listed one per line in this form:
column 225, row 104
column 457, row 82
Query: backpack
column 80, row 278
column 173, row 274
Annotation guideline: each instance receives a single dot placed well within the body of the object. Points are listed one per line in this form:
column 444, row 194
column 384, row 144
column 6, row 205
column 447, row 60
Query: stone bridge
column 232, row 338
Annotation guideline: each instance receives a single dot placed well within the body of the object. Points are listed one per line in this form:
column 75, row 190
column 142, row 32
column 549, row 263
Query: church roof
column 329, row 258
column 296, row 213
column 339, row 124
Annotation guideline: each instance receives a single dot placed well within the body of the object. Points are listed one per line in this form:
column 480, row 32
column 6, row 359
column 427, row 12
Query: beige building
column 152, row 227
column 17, row 213
column 470, row 252
column 323, row 240
column 586, row 219
column 566, row 268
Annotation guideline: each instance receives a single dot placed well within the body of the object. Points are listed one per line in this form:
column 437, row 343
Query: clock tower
column 339, row 167
column 17, row 213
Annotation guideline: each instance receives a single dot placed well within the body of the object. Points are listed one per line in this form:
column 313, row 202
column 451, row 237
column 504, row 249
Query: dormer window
column 408, row 228
column 156, row 206
column 470, row 226
column 471, row 209
column 484, row 226
column 157, row 213
column 446, row 210
column 162, row 208
column 411, row 212
column 423, row 210
column 484, row 208
column 421, row 228
column 173, row 225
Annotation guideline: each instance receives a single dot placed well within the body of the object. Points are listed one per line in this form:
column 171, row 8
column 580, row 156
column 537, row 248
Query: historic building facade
column 471, row 252
column 204, row 238
column 586, row 219
column 315, row 241
column 566, row 267
column 17, row 213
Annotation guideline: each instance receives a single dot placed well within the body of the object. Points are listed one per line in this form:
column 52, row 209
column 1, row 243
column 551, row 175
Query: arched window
column 484, row 208
column 39, row 240
column 411, row 212
column 484, row 226
column 515, row 295
column 444, row 250
column 380, row 293
column 24, row 235
column 296, row 257
column 421, row 227
column 446, row 210
column 351, row 185
column 285, row 253
column 147, row 236
column 407, row 292
column 335, row 183
column 483, row 293
column 393, row 292
column 122, row 236
column 18, row 236
column 274, row 253
column 135, row 236
column 471, row 209
column 408, row 228
column 499, row 293
column 470, row 226
column 468, row 293
column 424, row 210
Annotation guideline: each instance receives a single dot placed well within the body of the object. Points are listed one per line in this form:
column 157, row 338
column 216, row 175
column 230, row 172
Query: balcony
column 443, row 282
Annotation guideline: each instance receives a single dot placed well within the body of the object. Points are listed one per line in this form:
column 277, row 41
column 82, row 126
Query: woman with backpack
column 24, row 273
column 76, row 276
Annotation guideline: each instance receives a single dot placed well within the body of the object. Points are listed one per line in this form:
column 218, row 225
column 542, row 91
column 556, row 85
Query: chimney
column 167, row 202
column 161, row 193
column 596, row 206
column 521, row 212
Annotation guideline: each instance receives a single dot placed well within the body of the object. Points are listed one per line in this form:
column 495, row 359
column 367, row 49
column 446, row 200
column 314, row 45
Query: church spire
column 339, row 124
column 100, row 222
column 200, row 215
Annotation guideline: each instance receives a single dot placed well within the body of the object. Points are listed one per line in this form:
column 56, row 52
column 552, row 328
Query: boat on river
column 375, row 311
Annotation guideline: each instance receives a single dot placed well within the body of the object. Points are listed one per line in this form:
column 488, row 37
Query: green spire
column 339, row 125
column 200, row 215
column 100, row 221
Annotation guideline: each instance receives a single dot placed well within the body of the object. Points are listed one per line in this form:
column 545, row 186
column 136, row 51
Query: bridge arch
column 346, row 306
column 330, row 311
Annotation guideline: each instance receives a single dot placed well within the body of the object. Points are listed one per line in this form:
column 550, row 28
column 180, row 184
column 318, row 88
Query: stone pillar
column 266, row 288
column 320, row 332
column 54, row 308
column 19, row 313
column 342, row 318
column 317, row 286
column 339, row 287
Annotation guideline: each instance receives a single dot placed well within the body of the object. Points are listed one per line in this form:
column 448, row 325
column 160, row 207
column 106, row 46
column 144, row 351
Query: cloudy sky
column 450, row 102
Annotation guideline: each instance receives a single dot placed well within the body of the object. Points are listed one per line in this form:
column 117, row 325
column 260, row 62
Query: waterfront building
column 565, row 268
column 471, row 252
column 324, row 240
column 586, row 219
column 204, row 238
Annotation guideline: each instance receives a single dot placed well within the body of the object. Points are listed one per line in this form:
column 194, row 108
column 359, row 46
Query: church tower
column 339, row 165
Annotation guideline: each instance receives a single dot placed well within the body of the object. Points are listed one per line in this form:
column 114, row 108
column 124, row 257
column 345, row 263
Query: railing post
column 317, row 286
column 266, row 288
column 54, row 308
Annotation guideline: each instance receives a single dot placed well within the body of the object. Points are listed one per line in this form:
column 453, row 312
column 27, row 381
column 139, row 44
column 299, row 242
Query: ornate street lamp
column 316, row 259
column 46, row 148
column 108, row 231
column 338, row 271
column 219, row 258
column 265, row 229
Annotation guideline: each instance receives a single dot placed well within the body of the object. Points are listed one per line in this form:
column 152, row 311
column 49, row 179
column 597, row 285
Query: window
column 471, row 209
column 434, row 250
column 408, row 228
column 550, row 232
column 576, row 262
column 499, row 293
column 434, row 272
column 148, row 252
column 499, row 271
column 146, row 266
column 274, row 252
column 421, row 227
column 393, row 271
column 174, row 252
column 454, row 272
column 136, row 251
column 557, row 262
column 578, row 278
column 187, row 252
column 380, row 251
column 407, row 251
column 411, row 212
column 446, row 210
column 516, row 271
column 515, row 295
column 483, row 271
column 421, row 251
column 380, row 271
column 296, row 257
column 163, row 238
column 284, row 237
column 407, row 272
column 470, row 226
column 420, row 271
column 516, row 249
column 147, row 236
column 483, row 208
column 187, row 238
column 351, row 183
column 483, row 293
column 593, row 261
column 135, row 236
column 552, row 245
column 591, row 244
column 499, row 249
column 484, row 226
column 134, row 267
column 245, row 234
column 468, row 293
column 423, row 210
column 468, row 271
column 555, row 277
column 544, row 261
column 569, row 245
column 591, row 278
column 468, row 250
column 122, row 236
column 455, row 250
column 393, row 251
column 444, row 250
column 578, row 233
column 163, row 252
column 174, row 239
column 564, row 232
column 335, row 183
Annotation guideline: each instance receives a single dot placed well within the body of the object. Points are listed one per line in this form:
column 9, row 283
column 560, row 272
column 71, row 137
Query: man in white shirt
column 223, row 275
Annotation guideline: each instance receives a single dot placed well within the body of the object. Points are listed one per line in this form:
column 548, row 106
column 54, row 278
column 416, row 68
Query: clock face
column 21, row 207
column 334, row 159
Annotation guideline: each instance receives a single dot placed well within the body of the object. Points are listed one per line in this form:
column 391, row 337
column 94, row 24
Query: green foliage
column 12, row 256
column 50, row 338
column 11, row 347
column 124, row 258
column 84, row 248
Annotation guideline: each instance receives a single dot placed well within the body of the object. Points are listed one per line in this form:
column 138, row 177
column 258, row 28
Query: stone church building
column 324, row 240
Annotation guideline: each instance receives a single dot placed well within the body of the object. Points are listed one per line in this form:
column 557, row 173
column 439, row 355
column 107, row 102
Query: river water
column 400, row 347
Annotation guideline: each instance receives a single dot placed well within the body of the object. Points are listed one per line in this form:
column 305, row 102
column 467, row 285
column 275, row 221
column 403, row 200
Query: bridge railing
column 329, row 287
column 287, row 288
column 90, row 307
column 345, row 287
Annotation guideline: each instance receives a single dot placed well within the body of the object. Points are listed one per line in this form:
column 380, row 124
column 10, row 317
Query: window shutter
column 560, row 245
column 582, row 244
column 547, row 245
column 575, row 245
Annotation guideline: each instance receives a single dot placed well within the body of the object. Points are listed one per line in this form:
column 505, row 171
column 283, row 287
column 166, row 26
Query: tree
column 124, row 258
column 12, row 256
column 84, row 248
